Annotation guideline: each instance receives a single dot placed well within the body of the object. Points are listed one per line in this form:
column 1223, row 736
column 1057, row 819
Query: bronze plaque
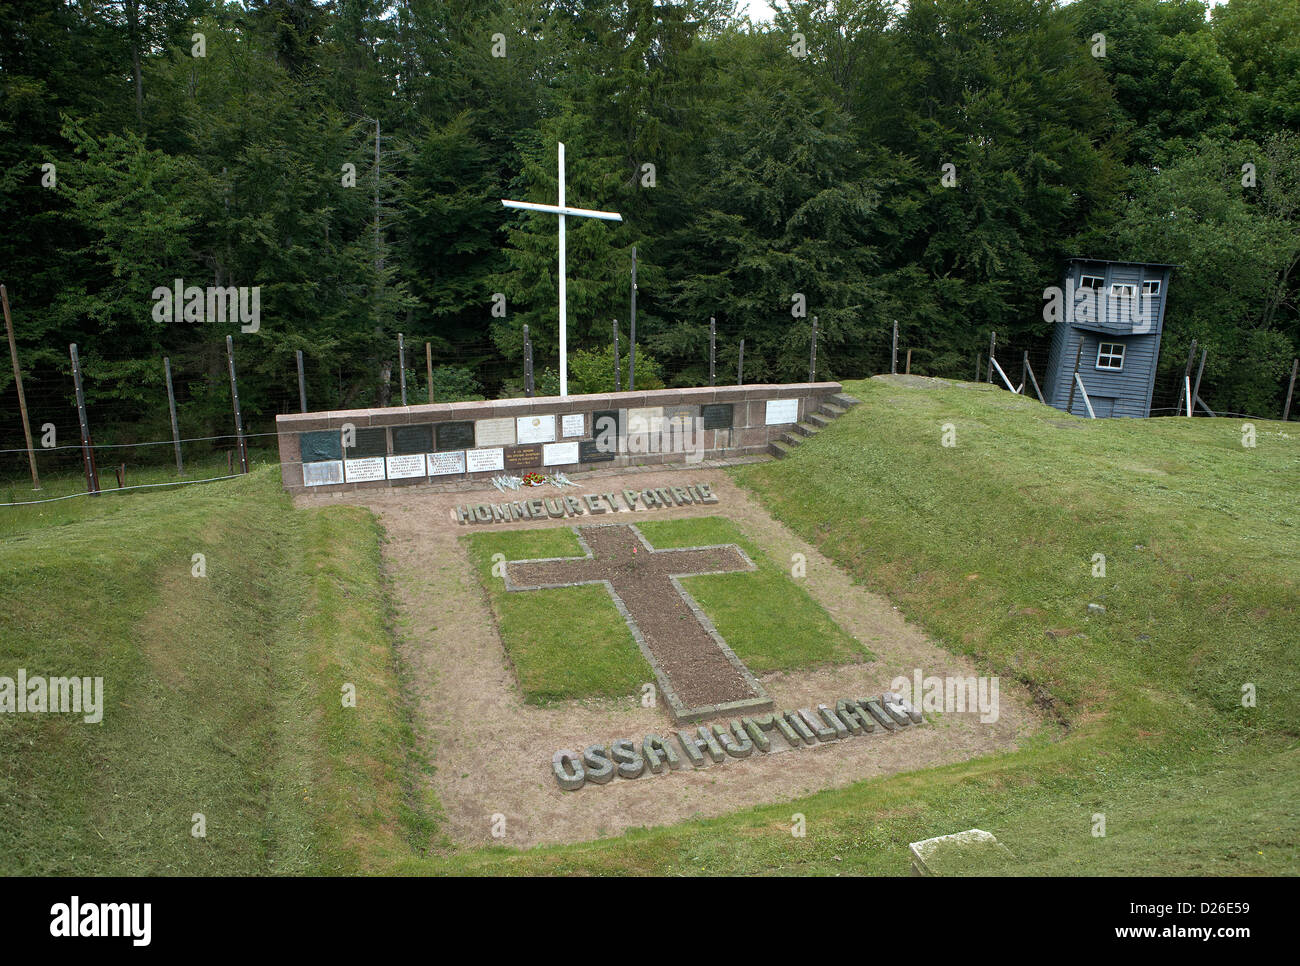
column 717, row 415
column 523, row 457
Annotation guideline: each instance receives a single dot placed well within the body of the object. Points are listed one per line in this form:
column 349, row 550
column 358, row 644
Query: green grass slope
column 222, row 693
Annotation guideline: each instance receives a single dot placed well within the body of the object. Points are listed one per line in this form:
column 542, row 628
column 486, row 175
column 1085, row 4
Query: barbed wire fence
column 132, row 446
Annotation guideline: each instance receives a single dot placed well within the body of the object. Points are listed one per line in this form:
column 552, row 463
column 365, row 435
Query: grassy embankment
column 223, row 692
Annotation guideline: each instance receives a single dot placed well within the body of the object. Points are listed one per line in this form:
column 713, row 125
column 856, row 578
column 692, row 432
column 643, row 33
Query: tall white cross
column 563, row 211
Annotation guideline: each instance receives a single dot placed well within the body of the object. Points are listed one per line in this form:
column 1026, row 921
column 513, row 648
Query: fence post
column 401, row 364
column 1286, row 410
column 713, row 344
column 618, row 381
column 171, row 407
column 528, row 364
column 908, row 369
column 893, row 352
column 740, row 365
column 1069, row 407
column 1196, row 390
column 1187, row 375
column 234, row 398
column 22, row 399
column 631, row 335
column 812, row 357
column 87, row 456
column 428, row 365
column 993, row 341
column 302, row 385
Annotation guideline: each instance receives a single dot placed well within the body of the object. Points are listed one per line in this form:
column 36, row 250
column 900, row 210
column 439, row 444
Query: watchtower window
column 1110, row 355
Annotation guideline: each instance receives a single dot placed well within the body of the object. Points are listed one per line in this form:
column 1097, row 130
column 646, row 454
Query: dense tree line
column 210, row 141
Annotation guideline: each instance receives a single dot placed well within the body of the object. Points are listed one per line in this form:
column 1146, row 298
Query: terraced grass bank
column 225, row 626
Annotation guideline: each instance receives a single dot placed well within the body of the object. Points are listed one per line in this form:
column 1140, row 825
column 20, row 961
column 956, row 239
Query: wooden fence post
column 234, row 399
column 22, row 399
column 302, row 385
column 618, row 382
column 713, row 348
column 1187, row 375
column 1069, row 407
column 171, row 407
column 740, row 365
column 812, row 354
column 87, row 454
column 631, row 335
column 528, row 364
column 1286, row 410
column 1196, row 390
column 401, row 364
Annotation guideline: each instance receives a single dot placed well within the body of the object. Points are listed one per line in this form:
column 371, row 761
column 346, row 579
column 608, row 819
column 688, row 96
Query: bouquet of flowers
column 533, row 479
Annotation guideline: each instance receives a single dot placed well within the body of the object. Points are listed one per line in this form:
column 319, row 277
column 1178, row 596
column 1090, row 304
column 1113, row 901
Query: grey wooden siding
column 1126, row 392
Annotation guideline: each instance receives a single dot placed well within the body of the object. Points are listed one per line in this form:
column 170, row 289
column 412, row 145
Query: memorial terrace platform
column 460, row 442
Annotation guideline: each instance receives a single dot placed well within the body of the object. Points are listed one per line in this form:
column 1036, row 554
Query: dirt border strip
column 761, row 700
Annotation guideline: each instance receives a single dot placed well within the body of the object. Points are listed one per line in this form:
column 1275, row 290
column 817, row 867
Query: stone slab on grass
column 973, row 852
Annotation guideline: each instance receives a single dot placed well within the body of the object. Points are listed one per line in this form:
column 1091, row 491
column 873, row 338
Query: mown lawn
column 766, row 617
column 564, row 642
column 571, row 642
column 223, row 693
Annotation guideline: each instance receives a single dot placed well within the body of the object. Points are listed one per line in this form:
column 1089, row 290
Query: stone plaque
column 681, row 413
column 484, row 460
column 444, row 464
column 323, row 445
column 523, row 457
column 559, row 454
column 535, row 429
column 406, row 466
column 495, row 432
column 589, row 452
column 454, row 436
column 605, row 421
column 368, row 443
column 412, row 440
column 322, row 474
column 781, row 411
column 364, row 470
column 573, row 424
column 647, row 420
column 717, row 415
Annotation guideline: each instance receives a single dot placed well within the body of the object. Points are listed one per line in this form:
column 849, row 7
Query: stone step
column 845, row 400
column 791, row 439
column 804, row 429
column 818, row 420
column 832, row 410
column 779, row 449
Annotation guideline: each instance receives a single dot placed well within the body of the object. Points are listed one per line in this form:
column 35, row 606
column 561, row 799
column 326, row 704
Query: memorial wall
column 468, row 441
